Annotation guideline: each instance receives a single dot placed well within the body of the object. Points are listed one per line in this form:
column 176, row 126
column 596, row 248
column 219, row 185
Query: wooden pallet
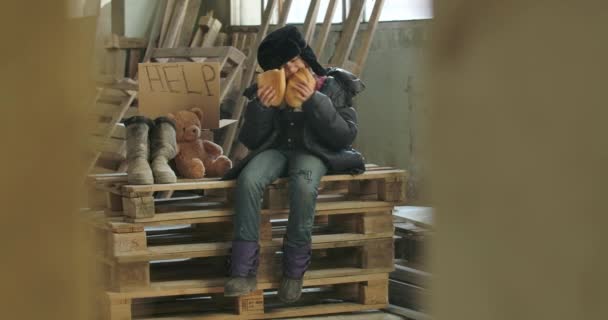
column 324, row 295
column 353, row 239
column 138, row 202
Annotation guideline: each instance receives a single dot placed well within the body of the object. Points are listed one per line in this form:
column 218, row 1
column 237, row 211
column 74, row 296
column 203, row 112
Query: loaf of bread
column 274, row 78
column 291, row 96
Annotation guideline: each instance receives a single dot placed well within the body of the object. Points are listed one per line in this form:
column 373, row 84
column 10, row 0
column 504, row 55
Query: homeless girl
column 302, row 143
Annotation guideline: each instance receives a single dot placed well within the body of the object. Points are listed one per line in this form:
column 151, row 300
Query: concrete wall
column 392, row 110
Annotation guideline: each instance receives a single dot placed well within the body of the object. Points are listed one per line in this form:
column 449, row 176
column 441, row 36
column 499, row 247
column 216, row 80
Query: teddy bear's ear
column 199, row 113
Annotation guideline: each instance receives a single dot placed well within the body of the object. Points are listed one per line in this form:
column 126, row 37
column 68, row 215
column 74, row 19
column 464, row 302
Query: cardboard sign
column 171, row 87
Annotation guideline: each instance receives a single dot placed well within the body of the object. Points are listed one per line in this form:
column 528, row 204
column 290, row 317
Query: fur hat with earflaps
column 282, row 45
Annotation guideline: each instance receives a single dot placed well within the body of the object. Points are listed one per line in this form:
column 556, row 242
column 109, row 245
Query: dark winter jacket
column 330, row 129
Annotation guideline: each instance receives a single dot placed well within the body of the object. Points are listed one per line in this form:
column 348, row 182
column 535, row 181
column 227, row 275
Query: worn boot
column 295, row 263
column 243, row 267
column 164, row 148
column 138, row 150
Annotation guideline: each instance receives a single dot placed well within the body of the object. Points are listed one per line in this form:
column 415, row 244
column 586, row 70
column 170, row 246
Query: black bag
column 346, row 161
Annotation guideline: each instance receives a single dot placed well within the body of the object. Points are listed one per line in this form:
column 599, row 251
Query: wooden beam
column 155, row 34
column 115, row 41
column 176, row 23
column 118, row 17
column 190, row 20
column 167, row 13
column 349, row 32
column 322, row 37
column 248, row 77
column 311, row 20
column 187, row 52
column 284, row 12
column 207, row 31
column 368, row 35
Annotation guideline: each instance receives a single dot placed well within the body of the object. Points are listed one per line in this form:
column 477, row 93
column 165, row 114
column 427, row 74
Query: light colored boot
column 164, row 148
column 138, row 150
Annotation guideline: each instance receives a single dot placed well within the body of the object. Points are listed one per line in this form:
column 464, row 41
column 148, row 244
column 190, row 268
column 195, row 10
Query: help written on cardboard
column 170, row 87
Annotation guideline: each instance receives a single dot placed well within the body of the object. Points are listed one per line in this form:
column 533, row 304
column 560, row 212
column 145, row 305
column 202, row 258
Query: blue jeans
column 304, row 171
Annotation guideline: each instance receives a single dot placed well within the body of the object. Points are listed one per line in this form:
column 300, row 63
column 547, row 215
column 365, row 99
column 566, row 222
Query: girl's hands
column 266, row 94
column 303, row 92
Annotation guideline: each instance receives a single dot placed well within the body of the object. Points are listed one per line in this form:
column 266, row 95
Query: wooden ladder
column 107, row 135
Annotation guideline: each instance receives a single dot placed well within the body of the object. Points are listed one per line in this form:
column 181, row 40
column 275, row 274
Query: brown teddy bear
column 196, row 157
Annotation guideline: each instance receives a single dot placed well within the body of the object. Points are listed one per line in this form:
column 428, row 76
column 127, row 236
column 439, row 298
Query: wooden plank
column 187, row 52
column 155, row 34
column 250, row 304
column 323, row 208
column 168, row 13
column 134, row 59
column 116, row 308
column 374, row 292
column 118, row 17
column 311, row 20
column 377, row 254
column 248, row 77
column 135, row 274
column 101, row 144
column 322, row 309
column 138, row 207
column 284, row 12
column 282, row 312
column 215, row 183
column 376, row 223
column 115, row 41
column 319, row 45
column 127, row 242
column 190, row 20
column 121, row 178
column 348, row 34
column 367, row 37
column 200, row 250
column 176, row 24
column 188, row 287
column 207, row 33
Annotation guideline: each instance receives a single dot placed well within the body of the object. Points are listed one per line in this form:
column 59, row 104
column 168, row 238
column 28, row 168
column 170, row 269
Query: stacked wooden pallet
column 167, row 257
column 409, row 283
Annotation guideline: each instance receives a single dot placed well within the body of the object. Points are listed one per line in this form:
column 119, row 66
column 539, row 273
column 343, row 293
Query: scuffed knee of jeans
column 249, row 181
column 302, row 185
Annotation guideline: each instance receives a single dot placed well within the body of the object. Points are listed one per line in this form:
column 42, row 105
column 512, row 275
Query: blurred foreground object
column 519, row 153
column 46, row 88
